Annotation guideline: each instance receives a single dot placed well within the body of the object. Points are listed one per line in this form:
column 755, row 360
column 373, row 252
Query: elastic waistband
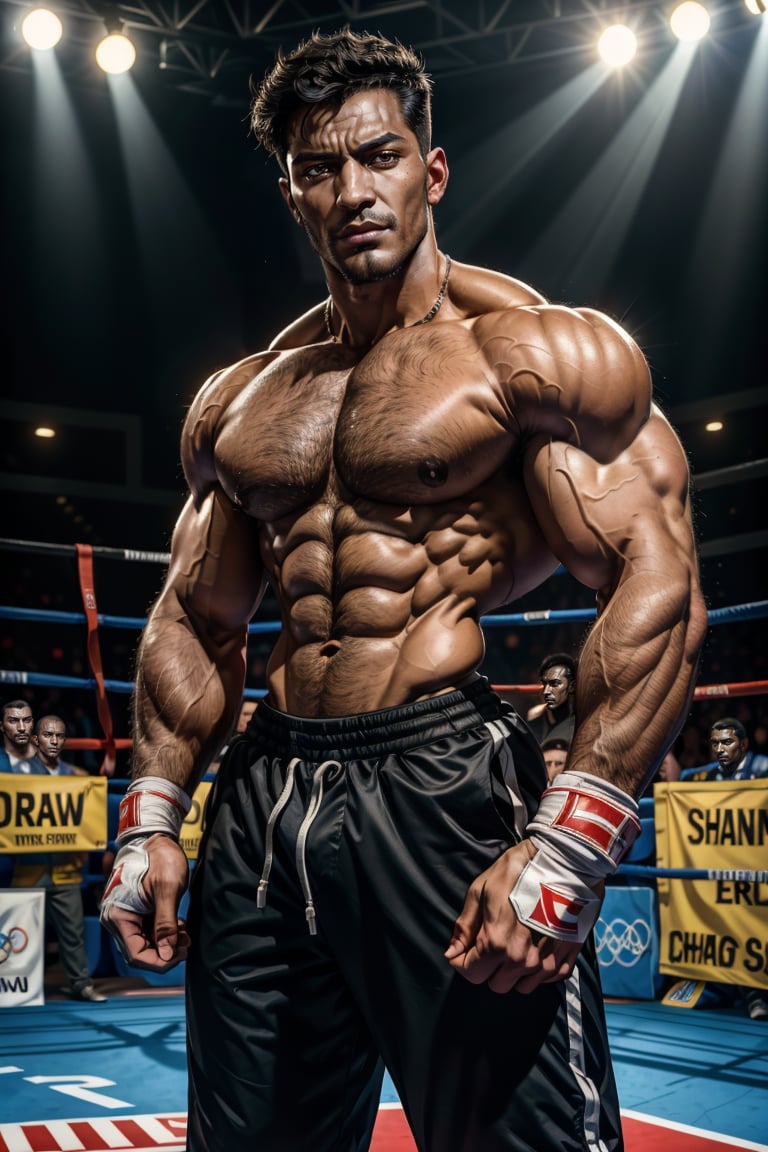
column 374, row 733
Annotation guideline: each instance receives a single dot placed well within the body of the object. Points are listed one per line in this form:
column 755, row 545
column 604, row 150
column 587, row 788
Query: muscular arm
column 189, row 683
column 609, row 484
column 191, row 666
column 623, row 527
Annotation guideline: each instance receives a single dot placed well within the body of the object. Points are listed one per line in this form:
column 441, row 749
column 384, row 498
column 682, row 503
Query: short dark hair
column 6, row 707
column 730, row 722
column 558, row 659
column 327, row 69
column 49, row 716
column 555, row 744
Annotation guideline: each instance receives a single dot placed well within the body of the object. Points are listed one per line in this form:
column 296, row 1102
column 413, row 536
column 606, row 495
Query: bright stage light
column 714, row 426
column 689, row 21
column 45, row 432
column 617, row 45
column 756, row 7
column 115, row 54
column 41, row 29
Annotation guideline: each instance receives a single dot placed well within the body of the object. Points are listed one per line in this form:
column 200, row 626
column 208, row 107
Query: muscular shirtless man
column 378, row 881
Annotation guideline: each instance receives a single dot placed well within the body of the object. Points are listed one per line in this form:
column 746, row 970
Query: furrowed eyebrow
column 368, row 146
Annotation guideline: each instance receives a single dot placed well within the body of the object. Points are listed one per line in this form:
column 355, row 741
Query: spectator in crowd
column 17, row 749
column 555, row 752
column 59, row 873
column 554, row 718
column 732, row 759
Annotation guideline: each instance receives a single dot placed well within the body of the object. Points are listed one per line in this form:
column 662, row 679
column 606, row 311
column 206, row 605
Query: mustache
column 379, row 219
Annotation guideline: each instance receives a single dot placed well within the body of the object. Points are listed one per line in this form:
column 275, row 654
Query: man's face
column 727, row 747
column 359, row 186
column 556, row 686
column 246, row 711
column 17, row 729
column 554, row 760
column 50, row 741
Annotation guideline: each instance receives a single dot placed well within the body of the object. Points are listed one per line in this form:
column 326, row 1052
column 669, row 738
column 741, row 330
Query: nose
column 354, row 186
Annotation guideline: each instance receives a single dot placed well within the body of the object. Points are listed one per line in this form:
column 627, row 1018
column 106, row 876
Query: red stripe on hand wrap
column 152, row 804
column 582, row 829
column 606, row 826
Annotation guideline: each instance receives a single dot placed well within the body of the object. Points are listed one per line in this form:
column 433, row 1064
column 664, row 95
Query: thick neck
column 360, row 315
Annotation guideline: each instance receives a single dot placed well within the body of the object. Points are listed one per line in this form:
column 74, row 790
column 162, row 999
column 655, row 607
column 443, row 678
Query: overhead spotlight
column 617, row 45
column 41, row 29
column 116, row 53
column 756, row 7
column 689, row 21
column 714, row 426
column 45, row 432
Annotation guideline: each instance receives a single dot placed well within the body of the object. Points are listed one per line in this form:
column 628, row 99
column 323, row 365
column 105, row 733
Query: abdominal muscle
column 381, row 604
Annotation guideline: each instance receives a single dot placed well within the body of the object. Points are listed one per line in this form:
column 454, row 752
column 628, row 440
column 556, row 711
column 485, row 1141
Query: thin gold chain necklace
column 424, row 320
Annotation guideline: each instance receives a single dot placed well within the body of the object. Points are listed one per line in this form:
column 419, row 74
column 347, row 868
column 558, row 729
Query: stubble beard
column 372, row 270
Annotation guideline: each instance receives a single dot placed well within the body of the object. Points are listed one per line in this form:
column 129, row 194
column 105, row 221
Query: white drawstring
column 315, row 801
column 282, row 800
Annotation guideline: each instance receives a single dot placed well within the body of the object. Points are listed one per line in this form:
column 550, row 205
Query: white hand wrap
column 582, row 829
column 152, row 804
column 124, row 889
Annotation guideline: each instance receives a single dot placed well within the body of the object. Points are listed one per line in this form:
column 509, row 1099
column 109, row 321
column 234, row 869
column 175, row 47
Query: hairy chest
column 418, row 419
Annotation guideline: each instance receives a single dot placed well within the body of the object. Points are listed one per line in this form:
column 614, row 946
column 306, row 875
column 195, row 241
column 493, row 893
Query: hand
column 149, row 934
column 489, row 944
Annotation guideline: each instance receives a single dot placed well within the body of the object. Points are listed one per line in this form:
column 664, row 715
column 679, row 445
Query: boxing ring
column 620, row 937
column 101, row 685
column 96, row 623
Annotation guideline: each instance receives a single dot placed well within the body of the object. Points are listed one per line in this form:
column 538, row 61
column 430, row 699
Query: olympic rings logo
column 622, row 943
column 11, row 943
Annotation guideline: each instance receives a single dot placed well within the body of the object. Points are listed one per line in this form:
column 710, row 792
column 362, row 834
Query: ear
column 437, row 175
column 35, row 741
column 285, row 188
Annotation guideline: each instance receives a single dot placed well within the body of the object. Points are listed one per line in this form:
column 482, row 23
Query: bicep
column 215, row 579
column 603, row 520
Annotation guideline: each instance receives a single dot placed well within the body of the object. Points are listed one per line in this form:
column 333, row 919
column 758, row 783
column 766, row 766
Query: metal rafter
column 204, row 45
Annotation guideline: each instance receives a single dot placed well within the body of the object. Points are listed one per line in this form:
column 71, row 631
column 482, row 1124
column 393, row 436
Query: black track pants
column 382, row 822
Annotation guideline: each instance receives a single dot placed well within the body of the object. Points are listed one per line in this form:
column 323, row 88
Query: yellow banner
column 715, row 930
column 192, row 828
column 52, row 813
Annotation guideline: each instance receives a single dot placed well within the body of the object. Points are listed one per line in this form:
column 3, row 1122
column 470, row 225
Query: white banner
column 22, row 937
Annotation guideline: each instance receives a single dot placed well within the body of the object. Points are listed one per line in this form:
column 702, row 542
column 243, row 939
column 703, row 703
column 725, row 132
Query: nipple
column 433, row 472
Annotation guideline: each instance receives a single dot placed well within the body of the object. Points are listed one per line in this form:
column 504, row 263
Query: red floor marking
column 641, row 1137
column 392, row 1134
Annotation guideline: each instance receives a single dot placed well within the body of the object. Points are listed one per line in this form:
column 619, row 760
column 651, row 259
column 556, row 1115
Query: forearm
column 636, row 676
column 187, row 696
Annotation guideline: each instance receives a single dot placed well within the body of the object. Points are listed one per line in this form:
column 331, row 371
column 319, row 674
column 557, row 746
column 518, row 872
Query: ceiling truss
column 204, row 45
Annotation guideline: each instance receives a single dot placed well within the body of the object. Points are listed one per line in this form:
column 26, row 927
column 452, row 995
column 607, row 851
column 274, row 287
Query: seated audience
column 554, row 718
column 59, row 873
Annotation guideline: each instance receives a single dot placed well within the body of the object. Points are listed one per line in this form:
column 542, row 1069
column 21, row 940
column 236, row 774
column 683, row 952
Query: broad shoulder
column 476, row 292
column 207, row 408
column 572, row 373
